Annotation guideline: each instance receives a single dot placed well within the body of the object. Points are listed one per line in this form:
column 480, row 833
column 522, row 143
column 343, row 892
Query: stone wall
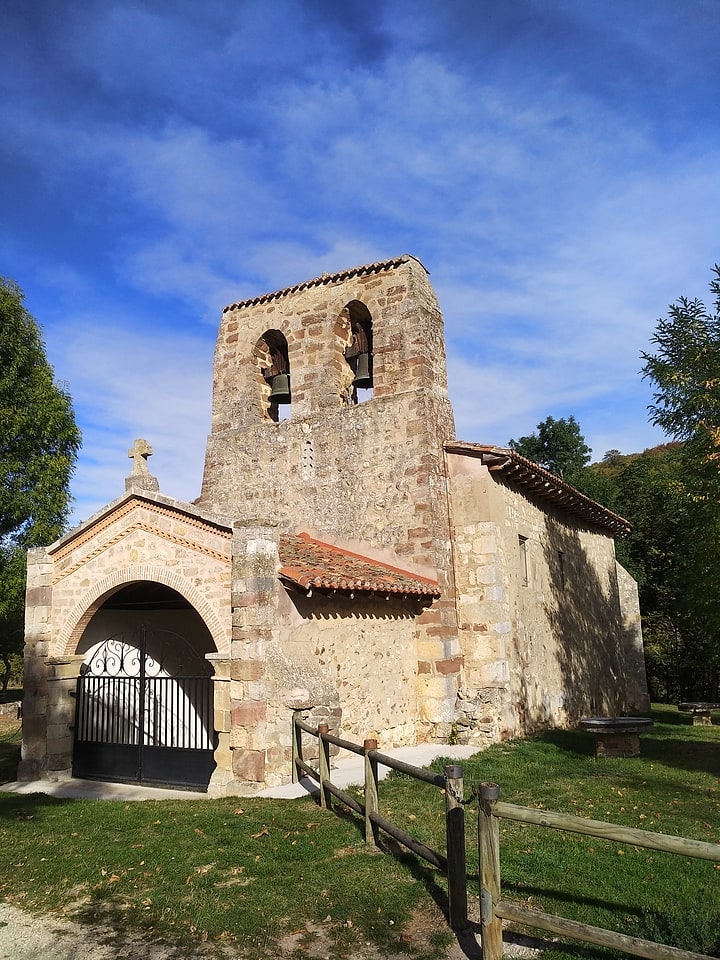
column 140, row 539
column 539, row 614
column 638, row 699
column 359, row 654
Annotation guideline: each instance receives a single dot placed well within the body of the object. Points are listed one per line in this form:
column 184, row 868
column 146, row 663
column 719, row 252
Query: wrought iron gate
column 144, row 712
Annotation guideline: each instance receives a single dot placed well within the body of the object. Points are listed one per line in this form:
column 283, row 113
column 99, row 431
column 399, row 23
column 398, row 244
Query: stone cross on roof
column 139, row 452
column 140, row 478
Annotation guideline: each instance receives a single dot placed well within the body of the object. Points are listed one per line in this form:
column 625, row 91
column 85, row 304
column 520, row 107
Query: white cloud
column 128, row 383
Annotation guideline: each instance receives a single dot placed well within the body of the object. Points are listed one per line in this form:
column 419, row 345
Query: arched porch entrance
column 144, row 703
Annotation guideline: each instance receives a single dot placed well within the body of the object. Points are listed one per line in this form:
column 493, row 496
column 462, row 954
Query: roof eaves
column 540, row 482
column 326, row 278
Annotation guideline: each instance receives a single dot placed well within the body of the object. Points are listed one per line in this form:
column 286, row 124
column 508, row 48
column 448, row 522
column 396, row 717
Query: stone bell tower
column 356, row 448
column 330, row 411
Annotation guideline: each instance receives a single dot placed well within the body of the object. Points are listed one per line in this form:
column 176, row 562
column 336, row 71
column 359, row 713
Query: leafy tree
column 685, row 369
column 667, row 551
column 39, row 441
column 558, row 446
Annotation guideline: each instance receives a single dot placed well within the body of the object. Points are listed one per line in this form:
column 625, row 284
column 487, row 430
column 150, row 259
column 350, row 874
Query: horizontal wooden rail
column 610, row 831
column 596, row 935
column 339, row 742
column 345, row 798
column 306, row 768
column 453, row 866
column 417, row 773
column 306, row 727
column 417, row 846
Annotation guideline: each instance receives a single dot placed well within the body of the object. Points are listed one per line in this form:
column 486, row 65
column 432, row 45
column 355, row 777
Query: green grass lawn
column 246, row 871
column 672, row 788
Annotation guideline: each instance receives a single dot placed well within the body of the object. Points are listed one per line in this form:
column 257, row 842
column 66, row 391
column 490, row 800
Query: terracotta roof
column 311, row 563
column 541, row 483
column 368, row 268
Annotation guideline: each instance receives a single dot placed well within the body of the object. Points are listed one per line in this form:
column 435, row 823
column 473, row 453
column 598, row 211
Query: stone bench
column 700, row 712
column 616, row 736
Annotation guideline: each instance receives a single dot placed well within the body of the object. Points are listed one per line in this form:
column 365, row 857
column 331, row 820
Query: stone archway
column 95, row 597
column 144, row 694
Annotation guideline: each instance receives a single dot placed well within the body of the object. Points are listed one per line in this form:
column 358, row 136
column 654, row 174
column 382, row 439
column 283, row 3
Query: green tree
column 558, row 446
column 685, row 371
column 39, row 441
column 666, row 551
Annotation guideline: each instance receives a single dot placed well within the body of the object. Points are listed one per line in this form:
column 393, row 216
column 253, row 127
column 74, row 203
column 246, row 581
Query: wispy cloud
column 554, row 165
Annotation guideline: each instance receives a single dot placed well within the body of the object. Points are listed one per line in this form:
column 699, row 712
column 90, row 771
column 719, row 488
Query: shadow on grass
column 577, row 742
column 673, row 741
column 423, row 872
column 697, row 755
column 28, row 806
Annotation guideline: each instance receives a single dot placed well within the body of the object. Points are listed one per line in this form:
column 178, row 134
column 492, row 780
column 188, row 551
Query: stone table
column 616, row 736
column 700, row 712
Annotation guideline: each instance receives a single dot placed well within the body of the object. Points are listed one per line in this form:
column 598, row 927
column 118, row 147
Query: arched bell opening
column 144, row 700
column 271, row 353
column 359, row 351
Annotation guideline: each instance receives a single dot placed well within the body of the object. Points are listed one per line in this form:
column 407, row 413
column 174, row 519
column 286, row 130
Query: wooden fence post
column 372, row 803
column 324, row 766
column 455, row 839
column 296, row 744
column 489, row 862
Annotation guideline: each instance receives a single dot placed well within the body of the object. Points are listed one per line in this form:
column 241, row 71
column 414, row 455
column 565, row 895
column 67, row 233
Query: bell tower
column 330, row 410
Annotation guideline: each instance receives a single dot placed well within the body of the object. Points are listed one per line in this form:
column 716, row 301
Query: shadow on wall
column 342, row 607
column 584, row 616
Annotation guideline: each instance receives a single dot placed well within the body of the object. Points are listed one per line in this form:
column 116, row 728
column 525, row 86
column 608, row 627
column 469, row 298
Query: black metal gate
column 144, row 712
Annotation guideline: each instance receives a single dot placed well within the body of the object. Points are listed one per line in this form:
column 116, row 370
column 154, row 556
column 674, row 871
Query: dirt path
column 25, row 936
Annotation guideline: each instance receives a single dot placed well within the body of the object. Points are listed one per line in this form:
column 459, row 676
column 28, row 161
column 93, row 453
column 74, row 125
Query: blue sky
column 555, row 164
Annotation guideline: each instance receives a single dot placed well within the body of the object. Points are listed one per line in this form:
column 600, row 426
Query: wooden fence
column 493, row 909
column 452, row 864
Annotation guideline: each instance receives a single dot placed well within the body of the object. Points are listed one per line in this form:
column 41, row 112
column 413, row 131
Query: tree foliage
column 685, row 371
column 557, row 445
column 39, row 441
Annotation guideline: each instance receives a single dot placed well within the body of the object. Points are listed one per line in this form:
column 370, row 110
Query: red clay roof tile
column 312, row 563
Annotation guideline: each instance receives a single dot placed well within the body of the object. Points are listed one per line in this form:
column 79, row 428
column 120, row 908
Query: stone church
column 347, row 556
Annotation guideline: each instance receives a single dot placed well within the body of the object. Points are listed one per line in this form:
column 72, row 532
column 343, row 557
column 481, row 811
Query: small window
column 522, row 543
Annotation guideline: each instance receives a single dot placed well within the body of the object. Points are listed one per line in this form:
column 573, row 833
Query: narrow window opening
column 522, row 543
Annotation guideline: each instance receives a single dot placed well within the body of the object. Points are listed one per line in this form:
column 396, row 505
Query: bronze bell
column 280, row 388
column 363, row 377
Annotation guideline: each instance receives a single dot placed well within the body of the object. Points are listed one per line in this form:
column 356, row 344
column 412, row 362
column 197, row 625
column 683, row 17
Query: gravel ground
column 25, row 936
